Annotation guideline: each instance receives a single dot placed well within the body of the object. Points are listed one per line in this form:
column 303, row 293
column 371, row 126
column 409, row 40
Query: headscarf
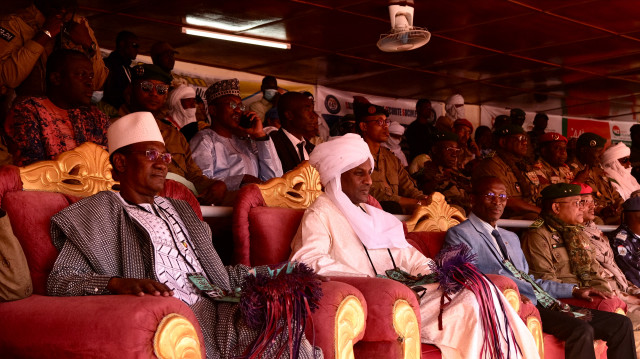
column 375, row 228
column 180, row 116
column 451, row 109
column 622, row 179
column 393, row 144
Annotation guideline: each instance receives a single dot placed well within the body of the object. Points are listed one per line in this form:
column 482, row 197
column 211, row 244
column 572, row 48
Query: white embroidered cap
column 133, row 128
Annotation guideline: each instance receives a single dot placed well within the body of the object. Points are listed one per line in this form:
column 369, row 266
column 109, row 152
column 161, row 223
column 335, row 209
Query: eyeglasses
column 587, row 203
column 492, row 197
column 452, row 150
column 153, row 155
column 519, row 138
column 147, row 86
column 576, row 203
column 234, row 105
column 624, row 160
column 381, row 122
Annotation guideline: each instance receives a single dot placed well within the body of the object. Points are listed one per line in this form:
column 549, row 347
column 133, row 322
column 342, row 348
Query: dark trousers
column 615, row 329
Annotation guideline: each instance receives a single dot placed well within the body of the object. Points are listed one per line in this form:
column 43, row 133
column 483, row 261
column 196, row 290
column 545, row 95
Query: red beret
column 552, row 137
column 584, row 188
column 463, row 122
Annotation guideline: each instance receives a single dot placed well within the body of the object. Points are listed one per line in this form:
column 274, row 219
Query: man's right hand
column 587, row 292
column 138, row 287
column 214, row 194
column 246, row 179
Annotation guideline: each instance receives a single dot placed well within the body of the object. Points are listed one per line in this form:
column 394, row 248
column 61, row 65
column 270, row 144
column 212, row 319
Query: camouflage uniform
column 548, row 174
column 391, row 180
column 626, row 251
column 456, row 187
column 548, row 259
column 604, row 191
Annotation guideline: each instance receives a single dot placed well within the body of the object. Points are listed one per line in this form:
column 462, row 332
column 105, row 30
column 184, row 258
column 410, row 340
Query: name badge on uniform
column 533, row 177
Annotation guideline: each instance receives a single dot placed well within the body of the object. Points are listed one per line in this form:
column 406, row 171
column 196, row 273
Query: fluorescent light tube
column 236, row 38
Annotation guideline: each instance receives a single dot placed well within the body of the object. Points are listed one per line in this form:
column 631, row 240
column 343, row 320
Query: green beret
column 560, row 190
column 444, row 136
column 590, row 139
column 508, row 130
column 150, row 72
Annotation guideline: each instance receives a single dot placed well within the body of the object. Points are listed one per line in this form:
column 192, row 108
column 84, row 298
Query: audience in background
column 468, row 149
column 421, row 130
column 393, row 143
column 616, row 163
column 454, row 109
column 182, row 110
column 539, row 126
column 299, row 124
column 39, row 128
column 551, row 167
column 119, row 64
column 163, row 55
column 270, row 97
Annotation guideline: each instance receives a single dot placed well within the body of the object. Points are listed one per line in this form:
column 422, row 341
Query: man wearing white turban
column 616, row 164
column 454, row 109
column 182, row 110
column 393, row 143
column 341, row 235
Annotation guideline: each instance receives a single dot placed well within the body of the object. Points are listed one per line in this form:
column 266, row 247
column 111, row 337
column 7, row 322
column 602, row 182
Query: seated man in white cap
column 396, row 130
column 182, row 110
column 340, row 235
column 104, row 241
column 235, row 149
column 617, row 166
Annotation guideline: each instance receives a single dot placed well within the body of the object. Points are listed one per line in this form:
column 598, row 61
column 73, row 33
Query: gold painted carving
column 438, row 216
column 620, row 311
column 405, row 323
column 298, row 188
column 82, row 172
column 513, row 298
column 350, row 321
column 176, row 338
column 535, row 327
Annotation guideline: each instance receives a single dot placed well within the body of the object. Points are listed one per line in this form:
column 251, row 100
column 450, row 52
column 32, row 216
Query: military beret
column 632, row 204
column 552, row 137
column 150, row 72
column 560, row 190
column 361, row 110
column 508, row 130
column 584, row 188
column 463, row 122
column 590, row 139
column 517, row 113
column 445, row 136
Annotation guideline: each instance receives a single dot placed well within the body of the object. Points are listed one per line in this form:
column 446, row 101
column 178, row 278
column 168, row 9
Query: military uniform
column 548, row 174
column 548, row 258
column 390, row 180
column 626, row 251
column 496, row 166
column 455, row 186
column 601, row 184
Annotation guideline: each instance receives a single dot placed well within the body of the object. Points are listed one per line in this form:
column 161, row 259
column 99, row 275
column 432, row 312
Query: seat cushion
column 272, row 230
column 428, row 243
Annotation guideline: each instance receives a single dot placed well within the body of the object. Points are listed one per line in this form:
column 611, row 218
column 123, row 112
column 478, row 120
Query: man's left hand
column 587, row 293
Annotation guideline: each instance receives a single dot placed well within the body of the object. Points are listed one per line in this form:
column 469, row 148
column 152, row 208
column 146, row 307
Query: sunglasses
column 624, row 160
column 239, row 105
column 161, row 89
column 154, row 155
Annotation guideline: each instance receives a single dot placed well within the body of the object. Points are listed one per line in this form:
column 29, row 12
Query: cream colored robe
column 326, row 242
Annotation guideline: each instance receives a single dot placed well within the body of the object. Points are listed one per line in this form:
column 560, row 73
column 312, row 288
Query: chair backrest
column 30, row 196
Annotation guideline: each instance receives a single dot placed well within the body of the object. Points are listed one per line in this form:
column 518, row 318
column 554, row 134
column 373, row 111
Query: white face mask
column 190, row 112
column 269, row 94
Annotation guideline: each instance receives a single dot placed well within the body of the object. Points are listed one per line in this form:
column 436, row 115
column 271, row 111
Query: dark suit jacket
column 489, row 260
column 287, row 152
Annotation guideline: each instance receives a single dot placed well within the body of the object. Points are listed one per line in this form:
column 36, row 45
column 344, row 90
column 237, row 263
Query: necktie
column 301, row 150
column 503, row 247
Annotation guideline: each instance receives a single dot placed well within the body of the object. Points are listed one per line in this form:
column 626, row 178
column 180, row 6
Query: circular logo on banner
column 616, row 130
column 332, row 104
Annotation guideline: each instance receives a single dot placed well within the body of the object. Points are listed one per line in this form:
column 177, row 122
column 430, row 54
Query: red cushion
column 271, row 231
column 429, row 243
column 30, row 214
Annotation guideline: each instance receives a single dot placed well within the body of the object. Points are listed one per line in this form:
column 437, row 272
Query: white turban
column 393, row 144
column 451, row 109
column 623, row 181
column 375, row 228
column 180, row 116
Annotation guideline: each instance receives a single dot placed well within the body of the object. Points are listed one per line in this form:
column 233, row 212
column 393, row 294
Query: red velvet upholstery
column 607, row 305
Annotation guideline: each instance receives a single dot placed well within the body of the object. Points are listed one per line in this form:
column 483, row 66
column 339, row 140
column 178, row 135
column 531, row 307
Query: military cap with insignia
column 463, row 122
column 552, row 137
column 444, row 136
column 560, row 190
column 150, row 72
column 362, row 109
column 632, row 204
column 517, row 113
column 590, row 139
column 508, row 130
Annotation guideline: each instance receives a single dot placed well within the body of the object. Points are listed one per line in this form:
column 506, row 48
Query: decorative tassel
column 277, row 303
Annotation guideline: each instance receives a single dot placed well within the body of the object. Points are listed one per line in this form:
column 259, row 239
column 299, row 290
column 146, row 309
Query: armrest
column 614, row 305
column 109, row 326
column 339, row 321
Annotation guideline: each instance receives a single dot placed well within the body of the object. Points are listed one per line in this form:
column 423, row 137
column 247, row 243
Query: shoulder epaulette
column 537, row 223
